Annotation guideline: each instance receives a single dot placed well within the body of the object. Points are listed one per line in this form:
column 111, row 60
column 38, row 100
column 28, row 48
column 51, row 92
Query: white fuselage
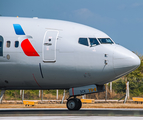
column 61, row 61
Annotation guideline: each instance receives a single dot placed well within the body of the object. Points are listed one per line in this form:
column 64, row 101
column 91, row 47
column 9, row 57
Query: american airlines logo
column 26, row 46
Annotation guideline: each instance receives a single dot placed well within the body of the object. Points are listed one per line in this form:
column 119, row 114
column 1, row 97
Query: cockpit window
column 93, row 42
column 105, row 41
column 83, row 41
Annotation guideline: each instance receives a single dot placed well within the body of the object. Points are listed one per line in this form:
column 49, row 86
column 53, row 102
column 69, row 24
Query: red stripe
column 36, row 80
column 72, row 91
column 28, row 49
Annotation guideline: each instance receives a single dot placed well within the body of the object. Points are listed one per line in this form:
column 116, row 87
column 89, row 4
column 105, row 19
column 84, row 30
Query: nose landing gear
column 74, row 104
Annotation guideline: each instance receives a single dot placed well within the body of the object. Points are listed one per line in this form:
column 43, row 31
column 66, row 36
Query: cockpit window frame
column 106, row 43
column 90, row 43
column 84, row 44
column 88, row 40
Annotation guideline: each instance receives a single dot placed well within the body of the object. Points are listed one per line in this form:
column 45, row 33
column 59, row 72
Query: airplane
column 43, row 54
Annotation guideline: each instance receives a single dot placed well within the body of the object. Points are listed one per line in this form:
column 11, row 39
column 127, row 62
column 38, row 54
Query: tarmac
column 70, row 118
column 65, row 112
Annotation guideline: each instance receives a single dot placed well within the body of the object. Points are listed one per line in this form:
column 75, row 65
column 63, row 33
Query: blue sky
column 122, row 20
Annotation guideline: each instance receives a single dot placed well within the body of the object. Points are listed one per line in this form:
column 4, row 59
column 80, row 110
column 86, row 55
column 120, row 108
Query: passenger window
column 8, row 44
column 83, row 41
column 16, row 44
column 105, row 40
column 93, row 42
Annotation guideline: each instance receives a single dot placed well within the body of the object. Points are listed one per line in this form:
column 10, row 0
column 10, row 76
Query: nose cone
column 125, row 61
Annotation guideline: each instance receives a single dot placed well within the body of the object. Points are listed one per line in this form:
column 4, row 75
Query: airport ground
column 70, row 118
column 102, row 110
column 94, row 105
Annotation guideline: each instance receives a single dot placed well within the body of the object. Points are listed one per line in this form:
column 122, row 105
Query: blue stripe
column 18, row 29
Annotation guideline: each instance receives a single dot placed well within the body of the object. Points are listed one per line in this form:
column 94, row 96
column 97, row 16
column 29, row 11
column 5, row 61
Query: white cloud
column 83, row 13
column 122, row 7
column 128, row 6
column 135, row 5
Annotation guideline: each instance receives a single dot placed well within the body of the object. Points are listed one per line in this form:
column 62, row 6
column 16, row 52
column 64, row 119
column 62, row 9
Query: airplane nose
column 125, row 61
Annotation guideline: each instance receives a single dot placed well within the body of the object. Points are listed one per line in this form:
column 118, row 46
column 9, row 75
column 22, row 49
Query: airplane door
column 1, row 46
column 49, row 45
